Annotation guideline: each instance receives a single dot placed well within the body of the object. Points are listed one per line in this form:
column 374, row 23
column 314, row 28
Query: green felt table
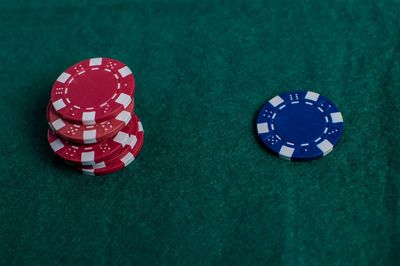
column 204, row 191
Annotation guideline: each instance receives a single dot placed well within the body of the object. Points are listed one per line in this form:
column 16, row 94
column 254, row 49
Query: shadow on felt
column 37, row 133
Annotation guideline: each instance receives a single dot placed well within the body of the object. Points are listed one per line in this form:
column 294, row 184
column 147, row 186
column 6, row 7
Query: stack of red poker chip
column 91, row 117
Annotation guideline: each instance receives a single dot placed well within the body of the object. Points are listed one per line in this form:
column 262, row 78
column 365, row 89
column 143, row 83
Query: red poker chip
column 88, row 134
column 92, row 153
column 131, row 146
column 121, row 161
column 93, row 91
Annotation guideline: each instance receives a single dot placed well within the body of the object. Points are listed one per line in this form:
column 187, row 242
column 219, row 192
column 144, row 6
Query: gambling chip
column 299, row 125
column 88, row 134
column 93, row 91
column 91, row 117
column 92, row 153
column 118, row 162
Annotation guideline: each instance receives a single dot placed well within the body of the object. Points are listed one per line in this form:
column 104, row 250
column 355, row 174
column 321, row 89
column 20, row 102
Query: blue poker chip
column 299, row 125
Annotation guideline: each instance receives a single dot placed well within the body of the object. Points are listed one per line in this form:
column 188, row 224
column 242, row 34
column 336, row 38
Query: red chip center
column 92, row 88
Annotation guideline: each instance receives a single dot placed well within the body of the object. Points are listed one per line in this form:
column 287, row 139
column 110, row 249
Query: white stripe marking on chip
column 312, row 96
column 63, row 77
column 325, row 146
column 88, row 171
column 132, row 141
column 58, row 124
column 286, row 152
column 262, row 128
column 56, row 145
column 89, row 136
column 95, row 61
column 87, row 158
column 277, row 100
column 99, row 165
column 337, row 117
column 59, row 104
column 124, row 116
column 125, row 71
column 88, row 118
column 124, row 99
column 140, row 126
column 51, row 126
column 121, row 138
column 127, row 159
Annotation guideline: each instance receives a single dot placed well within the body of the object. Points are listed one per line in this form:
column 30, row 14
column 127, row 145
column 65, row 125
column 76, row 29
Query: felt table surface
column 204, row 191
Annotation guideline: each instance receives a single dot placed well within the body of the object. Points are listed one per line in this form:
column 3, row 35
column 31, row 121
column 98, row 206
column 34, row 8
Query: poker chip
column 130, row 146
column 88, row 134
column 92, row 153
column 92, row 126
column 93, row 91
column 299, row 125
column 119, row 162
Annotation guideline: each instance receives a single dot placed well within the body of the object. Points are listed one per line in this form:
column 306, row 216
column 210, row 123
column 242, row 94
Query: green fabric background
column 204, row 191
